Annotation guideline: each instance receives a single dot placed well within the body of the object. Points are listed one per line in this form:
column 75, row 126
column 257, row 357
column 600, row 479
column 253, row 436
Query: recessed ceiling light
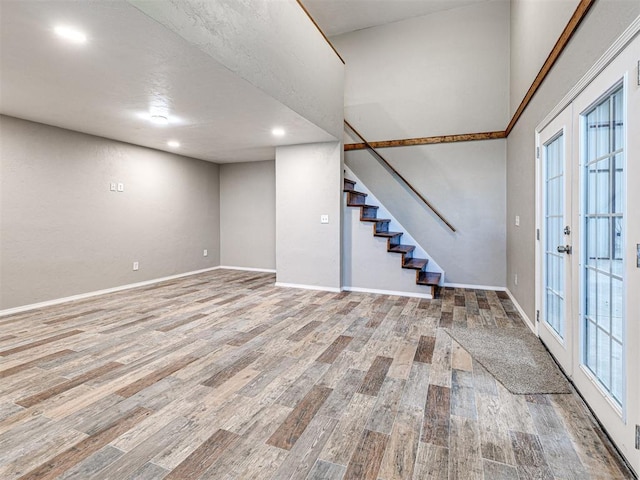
column 278, row 132
column 173, row 144
column 71, row 34
column 159, row 119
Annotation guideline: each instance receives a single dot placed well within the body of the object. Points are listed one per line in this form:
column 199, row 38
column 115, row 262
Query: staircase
column 369, row 213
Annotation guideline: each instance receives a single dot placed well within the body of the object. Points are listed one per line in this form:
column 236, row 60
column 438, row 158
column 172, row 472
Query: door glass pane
column 616, row 369
column 617, row 183
column 603, row 137
column 602, row 190
column 603, row 360
column 616, row 311
column 618, row 139
column 591, row 233
column 591, row 310
column 603, row 302
column 553, row 173
column 602, row 244
column 602, row 261
column 591, row 351
column 616, row 262
column 591, row 185
column 590, row 145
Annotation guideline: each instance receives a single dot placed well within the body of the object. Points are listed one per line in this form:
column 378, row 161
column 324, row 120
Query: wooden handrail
column 384, row 160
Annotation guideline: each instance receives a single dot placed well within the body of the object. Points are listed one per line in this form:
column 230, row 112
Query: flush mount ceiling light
column 173, row 143
column 159, row 119
column 277, row 132
column 71, row 34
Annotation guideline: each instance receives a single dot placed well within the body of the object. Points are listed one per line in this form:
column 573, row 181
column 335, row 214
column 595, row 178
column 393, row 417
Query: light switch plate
column 324, row 218
column 517, row 220
column 112, row 186
column 121, row 187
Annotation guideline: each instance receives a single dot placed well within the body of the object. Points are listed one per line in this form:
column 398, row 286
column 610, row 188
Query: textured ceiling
column 341, row 16
column 132, row 66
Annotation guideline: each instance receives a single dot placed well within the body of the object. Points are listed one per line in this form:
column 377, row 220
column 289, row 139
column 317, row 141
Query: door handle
column 564, row 249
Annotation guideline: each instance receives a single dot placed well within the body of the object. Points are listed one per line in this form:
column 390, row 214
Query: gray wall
column 444, row 73
column 439, row 74
column 606, row 20
column 535, row 28
column 62, row 231
column 248, row 214
column 308, row 185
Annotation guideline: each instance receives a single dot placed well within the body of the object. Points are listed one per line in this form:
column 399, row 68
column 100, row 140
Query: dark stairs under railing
column 369, row 213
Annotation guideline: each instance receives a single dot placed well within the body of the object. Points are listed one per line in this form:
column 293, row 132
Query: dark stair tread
column 417, row 263
column 364, row 205
column 383, row 220
column 402, row 248
column 355, row 192
column 387, row 234
column 348, row 185
column 429, row 278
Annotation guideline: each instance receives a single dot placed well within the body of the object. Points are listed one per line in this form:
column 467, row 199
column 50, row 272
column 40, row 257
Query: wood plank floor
column 224, row 376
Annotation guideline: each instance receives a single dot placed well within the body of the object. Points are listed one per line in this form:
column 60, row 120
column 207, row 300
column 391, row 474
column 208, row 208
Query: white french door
column 588, row 255
column 555, row 183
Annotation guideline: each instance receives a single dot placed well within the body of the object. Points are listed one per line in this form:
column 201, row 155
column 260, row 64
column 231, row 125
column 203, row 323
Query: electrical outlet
column 324, row 218
column 121, row 187
column 517, row 220
column 205, row 253
column 112, row 186
column 136, row 265
column 515, row 279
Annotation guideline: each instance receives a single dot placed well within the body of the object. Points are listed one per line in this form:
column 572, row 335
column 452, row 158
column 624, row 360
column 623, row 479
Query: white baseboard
column 474, row 287
column 531, row 326
column 388, row 292
column 247, row 269
column 81, row 296
column 308, row 287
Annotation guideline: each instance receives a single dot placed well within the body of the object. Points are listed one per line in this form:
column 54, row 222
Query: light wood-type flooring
column 223, row 375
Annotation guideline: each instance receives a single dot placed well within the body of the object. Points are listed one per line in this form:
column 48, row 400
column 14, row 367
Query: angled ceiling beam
column 465, row 137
